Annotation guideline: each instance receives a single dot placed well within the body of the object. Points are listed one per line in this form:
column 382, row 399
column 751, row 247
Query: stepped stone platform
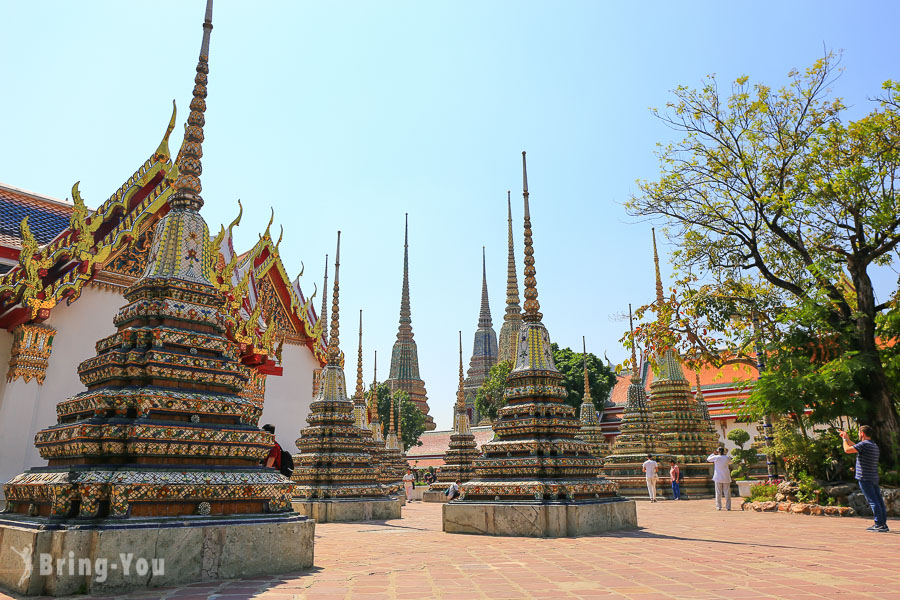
column 351, row 509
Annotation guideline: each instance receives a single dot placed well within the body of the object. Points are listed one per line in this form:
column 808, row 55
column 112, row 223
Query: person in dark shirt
column 273, row 459
column 867, row 453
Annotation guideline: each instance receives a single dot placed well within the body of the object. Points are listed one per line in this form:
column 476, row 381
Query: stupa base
column 435, row 496
column 38, row 557
column 349, row 509
column 550, row 519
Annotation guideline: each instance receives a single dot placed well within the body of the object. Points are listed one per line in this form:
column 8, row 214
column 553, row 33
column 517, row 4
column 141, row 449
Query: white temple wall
column 723, row 426
column 288, row 396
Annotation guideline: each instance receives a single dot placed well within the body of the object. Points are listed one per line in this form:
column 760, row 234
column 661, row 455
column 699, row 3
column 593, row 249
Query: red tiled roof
column 436, row 443
column 711, row 377
column 619, row 393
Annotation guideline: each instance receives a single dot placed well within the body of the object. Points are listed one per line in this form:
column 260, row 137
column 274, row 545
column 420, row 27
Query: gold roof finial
column 334, row 340
column 162, row 151
column 699, row 391
column 587, row 382
column 512, row 284
column 659, row 286
column 373, row 395
column 399, row 423
column 360, row 392
column 391, row 419
column 187, row 185
column 532, row 306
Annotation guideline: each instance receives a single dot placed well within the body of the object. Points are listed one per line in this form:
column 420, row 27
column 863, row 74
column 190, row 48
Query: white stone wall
column 288, row 396
column 730, row 424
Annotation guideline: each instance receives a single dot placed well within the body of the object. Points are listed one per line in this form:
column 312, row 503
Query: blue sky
column 347, row 115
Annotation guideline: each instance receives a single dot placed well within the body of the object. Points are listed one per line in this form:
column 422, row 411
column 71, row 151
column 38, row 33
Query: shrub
column 810, row 490
column 763, row 492
column 743, row 459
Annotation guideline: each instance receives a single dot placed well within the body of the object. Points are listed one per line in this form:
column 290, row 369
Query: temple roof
column 47, row 217
column 436, row 443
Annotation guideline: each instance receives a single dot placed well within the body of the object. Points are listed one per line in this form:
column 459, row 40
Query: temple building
column 458, row 461
column 484, row 351
column 512, row 317
column 166, row 427
column 334, row 475
column 404, row 373
column 535, row 478
column 681, row 427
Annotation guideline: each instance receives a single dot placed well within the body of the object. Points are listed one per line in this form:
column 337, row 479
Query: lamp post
column 771, row 466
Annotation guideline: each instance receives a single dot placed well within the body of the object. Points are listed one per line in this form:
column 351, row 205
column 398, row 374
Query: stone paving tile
column 683, row 551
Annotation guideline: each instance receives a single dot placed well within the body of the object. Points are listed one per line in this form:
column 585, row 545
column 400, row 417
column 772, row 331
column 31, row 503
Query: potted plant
column 742, row 461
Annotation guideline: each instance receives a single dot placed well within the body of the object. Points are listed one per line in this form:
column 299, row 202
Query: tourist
column 408, row 480
column 453, row 491
column 721, row 477
column 675, row 475
column 273, row 459
column 867, row 454
column 650, row 467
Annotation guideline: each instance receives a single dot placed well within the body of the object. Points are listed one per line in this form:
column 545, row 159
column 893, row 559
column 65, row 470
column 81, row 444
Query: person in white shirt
column 408, row 481
column 453, row 491
column 721, row 477
column 650, row 468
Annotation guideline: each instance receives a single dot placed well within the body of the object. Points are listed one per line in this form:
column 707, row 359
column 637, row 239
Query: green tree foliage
column 601, row 378
column 743, row 459
column 412, row 418
column 780, row 210
column 490, row 396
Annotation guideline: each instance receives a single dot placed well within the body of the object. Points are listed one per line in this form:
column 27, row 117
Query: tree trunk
column 874, row 386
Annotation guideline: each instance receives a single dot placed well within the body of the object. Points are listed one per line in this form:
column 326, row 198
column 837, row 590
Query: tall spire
column 659, row 286
column 587, row 382
column 532, row 306
column 359, row 370
column 334, row 341
column 484, row 316
column 373, row 395
column 405, row 312
column 323, row 314
column 391, row 419
column 399, row 423
column 512, row 283
column 187, row 185
column 460, row 397
column 635, row 371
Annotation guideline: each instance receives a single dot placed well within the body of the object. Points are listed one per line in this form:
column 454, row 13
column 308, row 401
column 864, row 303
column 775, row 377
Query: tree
column 490, row 397
column 781, row 209
column 411, row 417
column 601, row 378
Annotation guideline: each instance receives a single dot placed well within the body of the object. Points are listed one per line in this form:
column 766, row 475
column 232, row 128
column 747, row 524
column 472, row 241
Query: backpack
column 287, row 463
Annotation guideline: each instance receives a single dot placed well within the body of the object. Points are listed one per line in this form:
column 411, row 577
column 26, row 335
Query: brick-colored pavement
column 683, row 550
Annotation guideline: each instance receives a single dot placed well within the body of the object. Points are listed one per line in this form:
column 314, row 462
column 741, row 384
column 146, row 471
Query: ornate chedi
column 458, row 460
column 361, row 410
column 703, row 408
column 590, row 431
column 484, row 350
column 404, row 373
column 334, row 475
column 638, row 437
column 323, row 320
column 392, row 459
column 512, row 318
column 535, row 478
column 161, row 433
column 675, row 412
column 381, row 456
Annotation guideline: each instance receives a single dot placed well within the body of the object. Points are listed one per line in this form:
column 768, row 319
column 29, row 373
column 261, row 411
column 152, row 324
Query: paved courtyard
column 683, row 550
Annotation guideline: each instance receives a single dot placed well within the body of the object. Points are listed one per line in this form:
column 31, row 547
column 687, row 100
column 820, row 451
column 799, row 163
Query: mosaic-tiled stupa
column 512, row 317
column 160, row 451
column 379, row 450
column 459, row 458
column 590, row 431
column 638, row 437
column 703, row 407
column 404, row 373
column 361, row 409
column 334, row 475
column 685, row 433
column 484, row 350
column 535, row 478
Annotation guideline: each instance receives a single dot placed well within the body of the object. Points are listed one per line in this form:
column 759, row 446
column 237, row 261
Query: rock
column 769, row 506
column 837, row 491
column 800, row 508
column 846, row 511
column 860, row 505
column 832, row 511
column 891, row 501
column 784, row 506
column 747, row 505
column 779, row 497
column 817, row 510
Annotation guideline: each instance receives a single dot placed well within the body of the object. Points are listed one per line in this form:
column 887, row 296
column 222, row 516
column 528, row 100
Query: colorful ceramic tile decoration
column 484, row 351
column 590, row 431
column 30, row 353
column 361, row 412
column 335, row 455
column 404, row 373
column 162, row 429
column 459, row 458
column 386, row 471
column 512, row 318
column 638, row 437
column 535, row 455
